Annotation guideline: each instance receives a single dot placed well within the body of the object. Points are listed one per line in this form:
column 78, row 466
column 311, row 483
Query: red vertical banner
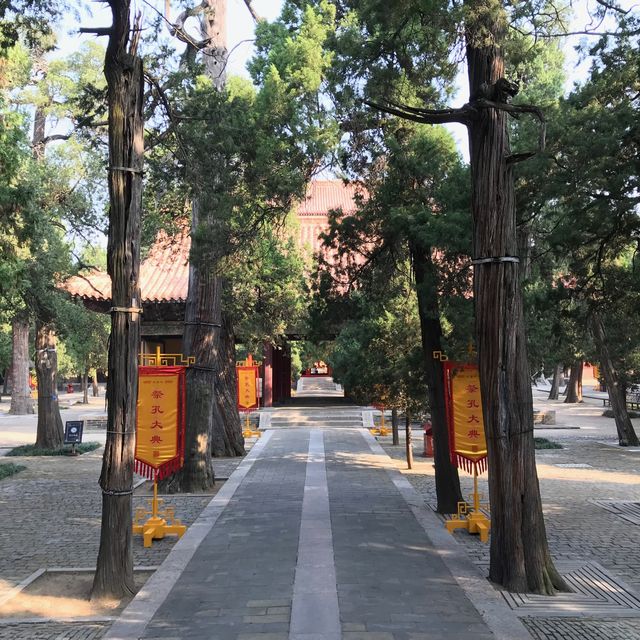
column 247, row 382
column 467, row 443
column 160, row 422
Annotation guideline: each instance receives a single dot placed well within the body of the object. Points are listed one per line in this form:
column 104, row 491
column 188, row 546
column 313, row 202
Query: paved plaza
column 322, row 533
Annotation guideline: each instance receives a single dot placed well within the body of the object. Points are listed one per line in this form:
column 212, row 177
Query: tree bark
column 447, row 480
column 95, row 389
column 519, row 557
column 21, row 400
column 123, row 70
column 50, row 432
column 554, row 393
column 6, row 384
column 408, row 440
column 214, row 28
column 85, row 387
column 201, row 341
column 626, row 433
column 574, row 388
column 394, row 427
column 227, row 439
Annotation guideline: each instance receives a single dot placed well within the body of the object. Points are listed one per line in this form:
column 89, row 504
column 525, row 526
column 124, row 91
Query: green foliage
column 8, row 469
column 85, row 336
column 5, row 347
column 377, row 356
column 543, row 443
column 581, row 200
column 50, row 194
column 267, row 295
column 32, row 450
column 28, row 20
column 415, row 195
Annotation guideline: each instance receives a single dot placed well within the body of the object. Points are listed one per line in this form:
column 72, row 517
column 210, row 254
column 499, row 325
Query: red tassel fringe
column 480, row 465
column 169, row 467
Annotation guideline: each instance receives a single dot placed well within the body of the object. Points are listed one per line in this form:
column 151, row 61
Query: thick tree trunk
column 85, row 387
column 447, row 480
column 408, row 440
column 574, row 388
column 394, row 427
column 626, row 433
column 95, row 389
column 519, row 559
column 50, row 432
column 21, row 401
column 554, row 393
column 201, row 341
column 123, row 70
column 203, row 316
column 227, row 437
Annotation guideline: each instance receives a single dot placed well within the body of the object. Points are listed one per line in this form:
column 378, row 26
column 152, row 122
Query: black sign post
column 73, row 434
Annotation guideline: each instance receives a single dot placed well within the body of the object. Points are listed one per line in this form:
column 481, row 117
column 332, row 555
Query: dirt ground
column 64, row 595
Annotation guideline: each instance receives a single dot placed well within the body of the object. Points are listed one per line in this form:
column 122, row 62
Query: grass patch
column 31, row 450
column 543, row 443
column 8, row 469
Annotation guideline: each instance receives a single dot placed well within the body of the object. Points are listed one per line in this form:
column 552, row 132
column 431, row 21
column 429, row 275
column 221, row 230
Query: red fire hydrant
column 428, row 439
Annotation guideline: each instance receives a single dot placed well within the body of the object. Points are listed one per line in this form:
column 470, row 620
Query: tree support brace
column 495, row 260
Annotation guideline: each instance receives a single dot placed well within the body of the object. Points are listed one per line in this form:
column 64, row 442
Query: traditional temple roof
column 326, row 195
column 164, row 274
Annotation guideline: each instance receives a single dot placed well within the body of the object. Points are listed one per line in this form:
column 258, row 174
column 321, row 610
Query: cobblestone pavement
column 50, row 515
column 577, row 529
column 580, row 629
column 53, row 631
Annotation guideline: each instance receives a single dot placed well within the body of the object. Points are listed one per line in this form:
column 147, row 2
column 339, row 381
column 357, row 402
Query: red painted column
column 267, row 382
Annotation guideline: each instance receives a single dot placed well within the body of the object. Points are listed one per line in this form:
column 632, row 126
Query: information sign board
column 73, row 431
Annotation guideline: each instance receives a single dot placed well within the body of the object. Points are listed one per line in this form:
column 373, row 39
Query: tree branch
column 425, row 116
column 613, row 7
column 56, row 136
column 99, row 31
column 252, row 11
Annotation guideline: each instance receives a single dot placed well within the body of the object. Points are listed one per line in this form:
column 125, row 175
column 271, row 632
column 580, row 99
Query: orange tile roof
column 164, row 274
column 325, row 195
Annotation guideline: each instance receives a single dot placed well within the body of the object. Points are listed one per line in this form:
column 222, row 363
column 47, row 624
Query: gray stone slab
column 314, row 610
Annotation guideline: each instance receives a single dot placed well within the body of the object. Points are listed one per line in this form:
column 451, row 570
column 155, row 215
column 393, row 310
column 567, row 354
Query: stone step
column 327, row 421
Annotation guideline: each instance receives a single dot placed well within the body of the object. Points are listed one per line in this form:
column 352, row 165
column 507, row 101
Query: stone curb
column 498, row 616
column 134, row 619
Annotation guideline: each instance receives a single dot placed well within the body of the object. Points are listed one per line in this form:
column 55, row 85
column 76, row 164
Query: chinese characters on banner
column 464, row 413
column 247, row 380
column 160, row 421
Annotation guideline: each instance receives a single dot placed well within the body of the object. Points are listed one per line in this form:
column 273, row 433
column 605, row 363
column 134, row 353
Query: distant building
column 164, row 283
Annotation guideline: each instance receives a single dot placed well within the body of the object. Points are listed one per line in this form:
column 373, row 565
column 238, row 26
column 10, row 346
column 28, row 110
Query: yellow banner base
column 161, row 523
column 382, row 431
column 248, row 432
column 474, row 520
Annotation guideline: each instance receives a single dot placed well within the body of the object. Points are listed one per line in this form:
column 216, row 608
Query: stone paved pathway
column 361, row 535
column 316, row 543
